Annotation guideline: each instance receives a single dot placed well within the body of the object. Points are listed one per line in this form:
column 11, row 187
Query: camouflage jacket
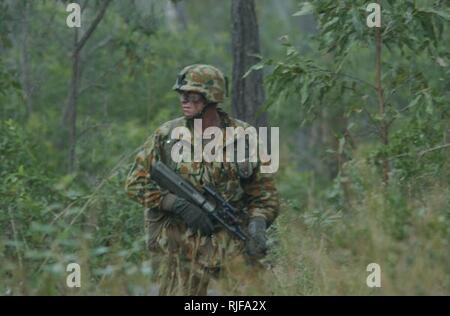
column 253, row 193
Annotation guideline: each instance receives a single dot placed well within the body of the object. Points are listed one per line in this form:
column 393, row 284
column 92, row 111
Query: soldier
column 190, row 248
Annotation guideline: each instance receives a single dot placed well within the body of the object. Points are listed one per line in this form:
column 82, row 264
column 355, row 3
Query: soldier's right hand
column 193, row 216
column 256, row 246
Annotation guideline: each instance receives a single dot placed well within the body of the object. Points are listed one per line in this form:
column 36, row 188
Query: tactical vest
column 245, row 169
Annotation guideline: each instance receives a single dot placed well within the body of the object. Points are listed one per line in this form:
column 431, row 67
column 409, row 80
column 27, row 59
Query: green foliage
column 50, row 221
column 27, row 199
column 417, row 121
column 320, row 251
column 336, row 214
column 5, row 20
column 10, row 93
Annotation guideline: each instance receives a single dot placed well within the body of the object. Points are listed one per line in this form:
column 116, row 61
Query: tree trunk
column 248, row 93
column 24, row 59
column 70, row 113
column 72, row 105
column 176, row 15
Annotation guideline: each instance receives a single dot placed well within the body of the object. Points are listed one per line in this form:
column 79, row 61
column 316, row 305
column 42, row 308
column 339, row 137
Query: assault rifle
column 219, row 210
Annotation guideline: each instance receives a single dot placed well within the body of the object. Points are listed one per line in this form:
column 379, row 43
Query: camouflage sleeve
column 138, row 185
column 262, row 195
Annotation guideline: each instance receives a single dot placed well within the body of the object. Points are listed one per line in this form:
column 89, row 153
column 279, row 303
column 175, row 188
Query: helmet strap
column 202, row 112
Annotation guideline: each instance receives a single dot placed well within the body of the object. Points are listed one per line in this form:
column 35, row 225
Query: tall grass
column 321, row 244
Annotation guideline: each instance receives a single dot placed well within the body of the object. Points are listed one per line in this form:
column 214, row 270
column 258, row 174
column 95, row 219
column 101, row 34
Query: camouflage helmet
column 204, row 79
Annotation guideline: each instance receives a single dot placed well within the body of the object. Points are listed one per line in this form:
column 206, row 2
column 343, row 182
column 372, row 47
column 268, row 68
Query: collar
column 226, row 121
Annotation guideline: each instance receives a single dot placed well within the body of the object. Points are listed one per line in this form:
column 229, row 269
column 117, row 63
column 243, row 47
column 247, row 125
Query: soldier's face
column 191, row 103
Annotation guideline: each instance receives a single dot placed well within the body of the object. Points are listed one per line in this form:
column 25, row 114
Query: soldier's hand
column 193, row 216
column 256, row 246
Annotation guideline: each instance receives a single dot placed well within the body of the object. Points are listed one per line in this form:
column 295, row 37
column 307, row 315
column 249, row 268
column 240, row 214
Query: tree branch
column 87, row 129
column 423, row 152
column 92, row 27
column 384, row 127
column 94, row 83
column 102, row 44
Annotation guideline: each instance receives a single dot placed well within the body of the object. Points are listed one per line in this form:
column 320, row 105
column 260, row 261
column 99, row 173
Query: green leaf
column 429, row 101
column 21, row 171
column 341, row 145
column 442, row 13
column 327, row 26
column 414, row 102
column 307, row 8
column 304, row 93
column 356, row 22
column 291, row 51
column 255, row 67
column 100, row 251
column 42, row 228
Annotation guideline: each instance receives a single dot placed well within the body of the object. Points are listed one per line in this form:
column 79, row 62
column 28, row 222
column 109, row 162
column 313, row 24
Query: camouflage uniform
column 185, row 259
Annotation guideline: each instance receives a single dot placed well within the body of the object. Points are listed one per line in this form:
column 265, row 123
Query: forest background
column 364, row 123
